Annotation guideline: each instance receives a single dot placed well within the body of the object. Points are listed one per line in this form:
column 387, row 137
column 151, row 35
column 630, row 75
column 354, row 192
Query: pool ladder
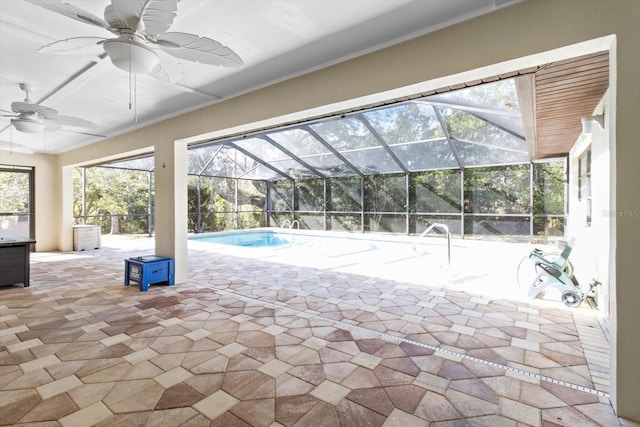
column 443, row 228
column 290, row 224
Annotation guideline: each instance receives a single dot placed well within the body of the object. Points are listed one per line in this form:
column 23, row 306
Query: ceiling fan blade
column 71, row 11
column 114, row 20
column 82, row 133
column 75, row 46
column 198, row 49
column 30, row 108
column 14, row 146
column 167, row 71
column 11, row 113
column 75, row 122
column 152, row 17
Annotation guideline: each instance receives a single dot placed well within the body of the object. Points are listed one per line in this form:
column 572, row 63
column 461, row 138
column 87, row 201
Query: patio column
column 171, row 205
column 65, row 239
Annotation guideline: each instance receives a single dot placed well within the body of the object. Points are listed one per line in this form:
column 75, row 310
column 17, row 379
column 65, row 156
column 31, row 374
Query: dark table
column 14, row 261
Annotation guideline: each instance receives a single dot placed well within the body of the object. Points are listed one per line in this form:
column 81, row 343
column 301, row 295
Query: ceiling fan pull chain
column 135, row 98
column 129, row 73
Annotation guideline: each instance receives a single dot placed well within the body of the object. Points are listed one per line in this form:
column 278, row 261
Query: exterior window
column 16, row 205
column 584, row 182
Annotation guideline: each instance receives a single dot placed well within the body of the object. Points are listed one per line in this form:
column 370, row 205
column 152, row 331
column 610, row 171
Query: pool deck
column 253, row 341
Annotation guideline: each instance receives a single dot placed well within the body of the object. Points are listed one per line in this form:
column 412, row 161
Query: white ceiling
column 276, row 39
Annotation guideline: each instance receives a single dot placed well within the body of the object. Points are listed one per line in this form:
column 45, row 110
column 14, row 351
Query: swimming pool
column 252, row 239
column 487, row 268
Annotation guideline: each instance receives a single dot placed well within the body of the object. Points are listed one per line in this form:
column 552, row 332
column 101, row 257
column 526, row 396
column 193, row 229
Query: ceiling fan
column 30, row 117
column 140, row 28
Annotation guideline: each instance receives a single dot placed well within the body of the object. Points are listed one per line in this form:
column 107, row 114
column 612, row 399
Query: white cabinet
column 86, row 237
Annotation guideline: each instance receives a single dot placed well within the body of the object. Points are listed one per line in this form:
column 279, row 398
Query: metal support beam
column 407, row 202
column 325, row 203
column 531, row 192
column 293, row 156
column 447, row 135
column 235, row 192
column 492, row 147
column 333, row 150
column 462, row 203
column 294, row 190
column 499, row 126
column 206, row 165
column 199, row 201
column 383, row 143
column 267, row 204
column 259, row 160
column 362, row 204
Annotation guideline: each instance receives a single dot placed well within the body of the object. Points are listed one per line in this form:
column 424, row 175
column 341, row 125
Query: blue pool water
column 256, row 239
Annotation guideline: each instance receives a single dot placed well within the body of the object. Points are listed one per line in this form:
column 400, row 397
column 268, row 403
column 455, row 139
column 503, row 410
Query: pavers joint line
column 347, row 325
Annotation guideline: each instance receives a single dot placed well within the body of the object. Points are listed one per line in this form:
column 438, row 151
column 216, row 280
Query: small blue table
column 147, row 270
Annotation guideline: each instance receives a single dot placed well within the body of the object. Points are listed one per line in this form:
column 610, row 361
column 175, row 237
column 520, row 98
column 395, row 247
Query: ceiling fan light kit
column 28, row 125
column 30, row 117
column 131, row 56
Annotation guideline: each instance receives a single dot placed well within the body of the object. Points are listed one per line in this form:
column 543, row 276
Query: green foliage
column 14, row 187
column 344, row 194
column 310, row 195
column 15, row 200
column 282, row 196
column 548, row 189
column 116, row 199
column 435, row 191
column 497, row 190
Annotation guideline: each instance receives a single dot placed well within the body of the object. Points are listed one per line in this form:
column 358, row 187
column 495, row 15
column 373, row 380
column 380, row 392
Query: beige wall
column 541, row 28
column 591, row 254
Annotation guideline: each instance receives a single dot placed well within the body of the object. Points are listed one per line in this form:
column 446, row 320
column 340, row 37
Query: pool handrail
column 289, row 224
column 445, row 229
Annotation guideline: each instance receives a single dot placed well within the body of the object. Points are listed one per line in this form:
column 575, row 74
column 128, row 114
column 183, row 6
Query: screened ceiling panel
column 372, row 161
column 509, row 123
column 274, row 156
column 329, row 165
column 299, row 142
column 467, row 127
column 262, row 173
column 142, row 163
column 229, row 162
column 498, row 96
column 294, row 169
column 199, row 158
column 306, row 147
column 345, row 134
column 478, row 154
column 426, row 155
column 405, row 123
column 261, row 148
column 479, row 125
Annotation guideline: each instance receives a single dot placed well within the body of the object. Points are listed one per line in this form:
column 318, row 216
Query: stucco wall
column 591, row 254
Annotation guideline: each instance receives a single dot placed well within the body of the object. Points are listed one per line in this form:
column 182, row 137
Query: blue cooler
column 148, row 270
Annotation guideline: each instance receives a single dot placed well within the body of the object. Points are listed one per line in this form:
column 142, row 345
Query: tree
column 113, row 196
